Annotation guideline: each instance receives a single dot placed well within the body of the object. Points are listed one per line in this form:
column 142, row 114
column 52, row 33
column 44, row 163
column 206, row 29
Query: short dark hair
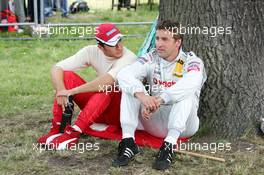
column 171, row 26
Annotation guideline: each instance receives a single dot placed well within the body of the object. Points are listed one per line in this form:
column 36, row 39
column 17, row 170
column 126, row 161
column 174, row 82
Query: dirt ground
column 19, row 155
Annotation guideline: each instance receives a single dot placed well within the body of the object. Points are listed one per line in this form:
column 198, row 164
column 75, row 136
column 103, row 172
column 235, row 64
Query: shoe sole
column 52, row 137
column 159, row 168
column 122, row 164
column 64, row 145
column 125, row 164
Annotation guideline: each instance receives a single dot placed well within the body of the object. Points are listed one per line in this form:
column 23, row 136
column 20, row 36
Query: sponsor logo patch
column 178, row 68
column 164, row 83
column 193, row 66
column 111, row 31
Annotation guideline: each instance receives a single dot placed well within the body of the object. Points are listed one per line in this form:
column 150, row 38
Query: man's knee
column 71, row 79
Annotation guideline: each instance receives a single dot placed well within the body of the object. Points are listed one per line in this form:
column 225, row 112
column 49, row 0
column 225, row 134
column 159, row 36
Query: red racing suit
column 99, row 107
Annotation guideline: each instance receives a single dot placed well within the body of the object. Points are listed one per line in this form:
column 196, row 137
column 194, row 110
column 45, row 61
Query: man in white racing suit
column 169, row 108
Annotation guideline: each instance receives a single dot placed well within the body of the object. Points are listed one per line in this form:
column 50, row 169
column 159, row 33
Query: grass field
column 107, row 4
column 26, row 97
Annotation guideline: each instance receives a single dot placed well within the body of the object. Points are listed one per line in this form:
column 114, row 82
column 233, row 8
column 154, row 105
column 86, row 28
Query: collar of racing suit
column 182, row 55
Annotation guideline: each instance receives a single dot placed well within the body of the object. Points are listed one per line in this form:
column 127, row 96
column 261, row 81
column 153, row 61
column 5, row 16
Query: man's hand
column 149, row 102
column 145, row 113
column 65, row 93
column 62, row 98
column 160, row 100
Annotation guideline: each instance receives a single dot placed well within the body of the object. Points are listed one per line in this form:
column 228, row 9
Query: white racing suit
column 178, row 83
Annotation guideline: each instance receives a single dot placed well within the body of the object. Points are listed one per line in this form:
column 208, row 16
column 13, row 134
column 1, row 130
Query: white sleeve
column 78, row 61
column 191, row 81
column 130, row 77
column 127, row 59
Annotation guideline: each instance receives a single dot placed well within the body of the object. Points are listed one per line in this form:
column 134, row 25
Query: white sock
column 76, row 128
column 172, row 136
column 127, row 135
column 128, row 131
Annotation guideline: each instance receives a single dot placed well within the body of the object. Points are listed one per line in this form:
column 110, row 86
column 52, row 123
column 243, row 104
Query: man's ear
column 179, row 42
column 100, row 47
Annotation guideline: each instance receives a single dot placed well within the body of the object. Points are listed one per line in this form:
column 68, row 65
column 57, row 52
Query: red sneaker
column 52, row 134
column 66, row 140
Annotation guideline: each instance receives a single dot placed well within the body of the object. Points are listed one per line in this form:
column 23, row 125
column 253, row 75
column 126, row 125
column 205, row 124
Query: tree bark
column 232, row 100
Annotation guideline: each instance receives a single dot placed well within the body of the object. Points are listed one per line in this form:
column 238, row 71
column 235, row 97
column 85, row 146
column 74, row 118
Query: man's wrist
column 161, row 101
column 73, row 91
column 165, row 97
column 60, row 88
column 139, row 95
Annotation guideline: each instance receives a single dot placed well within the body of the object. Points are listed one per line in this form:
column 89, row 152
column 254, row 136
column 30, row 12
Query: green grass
column 25, row 65
column 25, row 71
column 26, row 97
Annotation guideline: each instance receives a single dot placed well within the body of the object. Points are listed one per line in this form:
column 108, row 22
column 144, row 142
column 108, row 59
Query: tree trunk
column 232, row 100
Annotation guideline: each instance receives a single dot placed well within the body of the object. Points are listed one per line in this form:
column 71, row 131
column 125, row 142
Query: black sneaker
column 127, row 149
column 164, row 157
